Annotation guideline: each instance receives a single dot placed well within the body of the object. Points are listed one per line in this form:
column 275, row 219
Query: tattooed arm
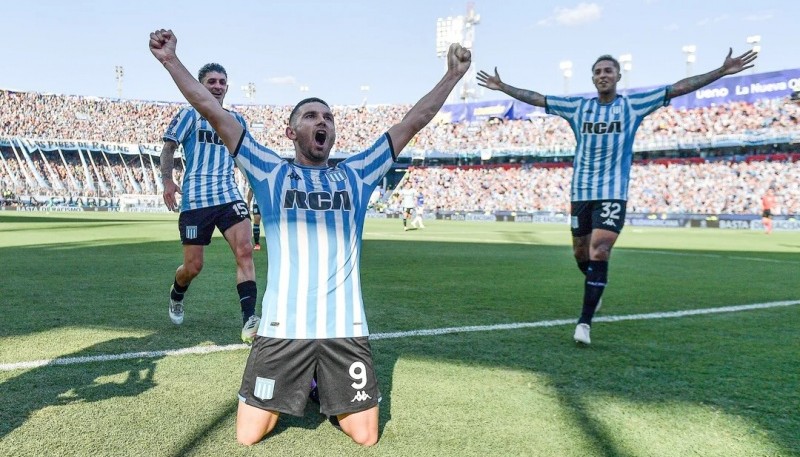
column 729, row 67
column 495, row 83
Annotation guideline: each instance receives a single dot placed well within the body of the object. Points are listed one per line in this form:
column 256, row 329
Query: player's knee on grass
column 253, row 424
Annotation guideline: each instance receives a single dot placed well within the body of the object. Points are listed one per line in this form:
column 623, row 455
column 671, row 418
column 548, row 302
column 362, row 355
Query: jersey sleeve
column 565, row 107
column 372, row 164
column 241, row 119
column 180, row 126
column 255, row 159
column 646, row 102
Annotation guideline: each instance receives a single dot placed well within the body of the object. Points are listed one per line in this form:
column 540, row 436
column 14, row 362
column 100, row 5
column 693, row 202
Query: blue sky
column 336, row 47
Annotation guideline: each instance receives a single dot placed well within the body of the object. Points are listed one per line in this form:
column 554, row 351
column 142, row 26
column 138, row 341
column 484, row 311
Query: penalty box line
column 392, row 335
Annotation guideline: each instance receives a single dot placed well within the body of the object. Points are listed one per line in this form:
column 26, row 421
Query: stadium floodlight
column 120, row 73
column 754, row 41
column 459, row 29
column 249, row 90
column 365, row 90
column 566, row 70
column 626, row 61
column 689, row 50
column 304, row 88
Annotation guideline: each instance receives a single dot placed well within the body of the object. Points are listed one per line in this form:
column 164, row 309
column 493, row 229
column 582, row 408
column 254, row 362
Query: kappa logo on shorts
column 609, row 222
column 360, row 396
column 264, row 388
column 191, row 232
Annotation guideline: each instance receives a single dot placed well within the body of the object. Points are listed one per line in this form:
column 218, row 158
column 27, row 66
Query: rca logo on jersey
column 360, row 396
column 599, row 128
column 317, row 201
column 208, row 136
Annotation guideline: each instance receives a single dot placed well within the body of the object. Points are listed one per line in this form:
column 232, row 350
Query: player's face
column 313, row 133
column 217, row 84
column 605, row 77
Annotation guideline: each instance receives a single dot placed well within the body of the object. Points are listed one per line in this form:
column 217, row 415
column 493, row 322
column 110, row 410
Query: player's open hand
column 162, row 45
column 488, row 81
column 170, row 188
column 733, row 65
column 459, row 58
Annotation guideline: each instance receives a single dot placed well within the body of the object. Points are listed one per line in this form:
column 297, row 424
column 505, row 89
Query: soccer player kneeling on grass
column 313, row 320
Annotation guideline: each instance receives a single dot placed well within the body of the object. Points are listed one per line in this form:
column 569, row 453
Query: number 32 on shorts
column 611, row 210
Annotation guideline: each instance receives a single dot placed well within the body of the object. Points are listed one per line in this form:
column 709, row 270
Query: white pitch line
column 712, row 256
column 392, row 335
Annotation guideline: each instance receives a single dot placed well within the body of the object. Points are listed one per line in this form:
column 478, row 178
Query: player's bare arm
column 458, row 62
column 730, row 66
column 162, row 45
column 495, row 83
column 167, row 159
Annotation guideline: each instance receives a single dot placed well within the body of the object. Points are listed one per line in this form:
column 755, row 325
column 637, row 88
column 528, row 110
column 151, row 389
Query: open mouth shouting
column 320, row 136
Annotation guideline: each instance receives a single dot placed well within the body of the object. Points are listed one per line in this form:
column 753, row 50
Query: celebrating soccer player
column 313, row 319
column 210, row 200
column 605, row 127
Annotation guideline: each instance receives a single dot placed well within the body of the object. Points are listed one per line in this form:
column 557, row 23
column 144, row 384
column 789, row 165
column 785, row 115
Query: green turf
column 710, row 385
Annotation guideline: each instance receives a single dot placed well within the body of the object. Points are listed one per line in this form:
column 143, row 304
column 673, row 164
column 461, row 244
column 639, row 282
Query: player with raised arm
column 604, row 127
column 313, row 317
column 210, row 199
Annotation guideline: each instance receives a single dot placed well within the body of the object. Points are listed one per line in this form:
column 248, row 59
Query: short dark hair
column 210, row 67
column 304, row 102
column 609, row 58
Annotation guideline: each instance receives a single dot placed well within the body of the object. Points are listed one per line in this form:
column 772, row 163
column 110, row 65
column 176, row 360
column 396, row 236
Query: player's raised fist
column 162, row 44
column 459, row 58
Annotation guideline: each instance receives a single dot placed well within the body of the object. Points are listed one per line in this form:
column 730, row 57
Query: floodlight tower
column 120, row 73
column 755, row 42
column 626, row 61
column 249, row 90
column 459, row 29
column 689, row 50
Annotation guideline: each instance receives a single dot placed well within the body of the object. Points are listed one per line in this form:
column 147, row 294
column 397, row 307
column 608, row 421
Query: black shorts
column 256, row 211
column 767, row 213
column 197, row 225
column 278, row 375
column 597, row 214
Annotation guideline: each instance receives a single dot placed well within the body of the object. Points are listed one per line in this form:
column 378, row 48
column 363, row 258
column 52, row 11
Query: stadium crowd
column 696, row 187
column 719, row 187
column 46, row 116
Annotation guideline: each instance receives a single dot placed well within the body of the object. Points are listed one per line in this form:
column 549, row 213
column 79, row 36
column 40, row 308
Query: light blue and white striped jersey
column 208, row 179
column 605, row 133
column 313, row 221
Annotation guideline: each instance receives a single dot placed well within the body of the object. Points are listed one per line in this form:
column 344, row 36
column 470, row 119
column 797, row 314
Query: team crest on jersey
column 335, row 175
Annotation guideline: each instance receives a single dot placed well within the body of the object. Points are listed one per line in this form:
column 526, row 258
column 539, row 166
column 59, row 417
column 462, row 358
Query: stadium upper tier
column 37, row 116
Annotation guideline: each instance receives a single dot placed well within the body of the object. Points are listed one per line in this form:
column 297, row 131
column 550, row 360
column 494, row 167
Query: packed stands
column 56, row 145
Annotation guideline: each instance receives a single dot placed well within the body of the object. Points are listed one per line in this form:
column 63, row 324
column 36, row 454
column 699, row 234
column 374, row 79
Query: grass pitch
column 95, row 285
